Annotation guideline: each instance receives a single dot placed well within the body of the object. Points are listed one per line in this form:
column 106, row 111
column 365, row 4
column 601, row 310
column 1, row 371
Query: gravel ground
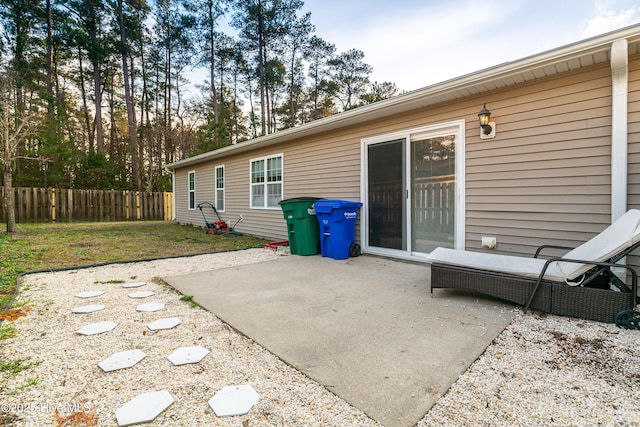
column 542, row 370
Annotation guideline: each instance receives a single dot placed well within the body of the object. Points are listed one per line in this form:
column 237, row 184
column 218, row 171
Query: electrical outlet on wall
column 489, row 242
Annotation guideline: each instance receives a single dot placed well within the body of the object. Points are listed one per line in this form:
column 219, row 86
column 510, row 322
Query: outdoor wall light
column 487, row 128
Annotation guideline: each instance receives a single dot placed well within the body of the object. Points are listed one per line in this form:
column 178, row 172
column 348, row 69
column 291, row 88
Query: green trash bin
column 302, row 225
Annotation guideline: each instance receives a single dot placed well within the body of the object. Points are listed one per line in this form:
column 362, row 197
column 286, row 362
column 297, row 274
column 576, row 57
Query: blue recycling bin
column 337, row 222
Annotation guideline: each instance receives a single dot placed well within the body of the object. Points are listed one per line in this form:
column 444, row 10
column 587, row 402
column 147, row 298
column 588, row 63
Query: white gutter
column 619, row 94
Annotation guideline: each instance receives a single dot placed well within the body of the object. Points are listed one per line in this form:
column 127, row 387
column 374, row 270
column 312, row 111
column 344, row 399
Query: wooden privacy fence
column 55, row 204
column 433, row 205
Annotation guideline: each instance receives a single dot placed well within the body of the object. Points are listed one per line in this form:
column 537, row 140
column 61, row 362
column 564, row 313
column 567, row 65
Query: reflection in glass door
column 386, row 206
column 433, row 184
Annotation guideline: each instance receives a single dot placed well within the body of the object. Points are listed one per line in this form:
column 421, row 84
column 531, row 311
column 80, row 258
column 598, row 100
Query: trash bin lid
column 327, row 205
column 299, row 199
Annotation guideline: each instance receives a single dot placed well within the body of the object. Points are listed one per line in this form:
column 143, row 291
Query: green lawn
column 57, row 245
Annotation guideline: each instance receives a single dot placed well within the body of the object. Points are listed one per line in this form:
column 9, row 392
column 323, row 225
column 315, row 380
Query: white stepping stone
column 166, row 323
column 134, row 284
column 88, row 308
column 150, row 306
column 143, row 408
column 141, row 294
column 97, row 328
column 122, row 360
column 184, row 355
column 89, row 294
column 234, row 400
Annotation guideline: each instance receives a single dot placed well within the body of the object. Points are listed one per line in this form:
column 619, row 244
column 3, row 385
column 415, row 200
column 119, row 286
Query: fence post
column 138, row 209
column 69, row 204
column 168, row 205
column 53, row 205
column 126, row 204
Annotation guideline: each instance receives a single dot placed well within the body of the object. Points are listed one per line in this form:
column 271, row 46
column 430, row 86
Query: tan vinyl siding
column 318, row 167
column 546, row 177
column 633, row 183
column 205, row 192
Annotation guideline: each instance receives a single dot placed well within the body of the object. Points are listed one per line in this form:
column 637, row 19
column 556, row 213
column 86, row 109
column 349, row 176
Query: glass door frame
column 456, row 127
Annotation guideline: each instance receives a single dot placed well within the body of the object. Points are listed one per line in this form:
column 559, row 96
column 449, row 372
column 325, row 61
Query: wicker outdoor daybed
column 578, row 284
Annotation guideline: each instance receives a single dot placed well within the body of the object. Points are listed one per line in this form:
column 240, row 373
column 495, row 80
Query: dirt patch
column 13, row 314
column 76, row 419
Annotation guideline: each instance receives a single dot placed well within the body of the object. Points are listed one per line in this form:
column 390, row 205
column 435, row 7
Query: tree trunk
column 8, row 200
column 97, row 83
column 212, row 52
column 131, row 117
column 7, row 164
column 261, row 73
column 97, row 93
column 49, row 60
column 85, row 106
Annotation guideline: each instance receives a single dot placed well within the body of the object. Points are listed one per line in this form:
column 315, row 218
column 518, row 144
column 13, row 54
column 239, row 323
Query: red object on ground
column 274, row 245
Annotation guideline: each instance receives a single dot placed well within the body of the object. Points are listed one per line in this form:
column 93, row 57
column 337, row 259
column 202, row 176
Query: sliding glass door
column 386, row 191
column 433, row 187
column 413, row 188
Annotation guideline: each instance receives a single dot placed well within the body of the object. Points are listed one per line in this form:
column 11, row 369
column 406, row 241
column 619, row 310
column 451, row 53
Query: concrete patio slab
column 366, row 328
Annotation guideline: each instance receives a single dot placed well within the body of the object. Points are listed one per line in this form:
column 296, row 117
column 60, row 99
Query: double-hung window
column 192, row 190
column 220, row 188
column 266, row 182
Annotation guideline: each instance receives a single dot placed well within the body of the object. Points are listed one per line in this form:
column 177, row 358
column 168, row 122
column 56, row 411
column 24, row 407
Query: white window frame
column 219, row 189
column 191, row 206
column 265, row 183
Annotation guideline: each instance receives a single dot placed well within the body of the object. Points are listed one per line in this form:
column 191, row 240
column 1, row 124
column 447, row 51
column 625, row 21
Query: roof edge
column 564, row 53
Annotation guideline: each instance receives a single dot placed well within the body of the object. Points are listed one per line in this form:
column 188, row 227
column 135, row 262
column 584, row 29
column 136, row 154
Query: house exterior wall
column 544, row 179
column 633, row 152
column 322, row 166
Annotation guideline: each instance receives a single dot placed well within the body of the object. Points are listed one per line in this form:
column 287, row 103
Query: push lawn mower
column 217, row 227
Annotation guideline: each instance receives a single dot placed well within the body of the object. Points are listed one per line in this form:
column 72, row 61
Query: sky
column 416, row 43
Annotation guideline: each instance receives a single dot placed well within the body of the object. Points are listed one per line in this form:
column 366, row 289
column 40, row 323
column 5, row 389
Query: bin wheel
column 354, row 249
column 628, row 319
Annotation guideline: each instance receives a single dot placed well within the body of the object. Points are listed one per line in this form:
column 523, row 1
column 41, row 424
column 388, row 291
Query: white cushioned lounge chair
column 578, row 284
